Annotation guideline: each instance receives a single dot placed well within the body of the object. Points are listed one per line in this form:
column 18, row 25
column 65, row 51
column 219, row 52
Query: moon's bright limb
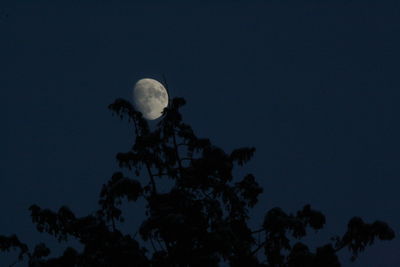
column 150, row 98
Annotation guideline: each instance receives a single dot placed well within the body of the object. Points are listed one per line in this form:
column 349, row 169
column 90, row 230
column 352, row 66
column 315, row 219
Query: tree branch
column 258, row 231
column 153, row 183
column 177, row 153
column 258, row 248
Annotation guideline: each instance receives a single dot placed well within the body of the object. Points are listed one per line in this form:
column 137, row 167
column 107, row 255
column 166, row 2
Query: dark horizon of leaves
column 201, row 220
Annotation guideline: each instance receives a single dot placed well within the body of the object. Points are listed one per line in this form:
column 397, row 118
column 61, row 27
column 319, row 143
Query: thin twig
column 13, row 264
column 258, row 231
column 177, row 154
column 152, row 244
column 259, row 247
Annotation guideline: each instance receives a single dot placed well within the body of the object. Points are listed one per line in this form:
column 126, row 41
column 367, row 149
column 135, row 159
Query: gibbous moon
column 150, row 98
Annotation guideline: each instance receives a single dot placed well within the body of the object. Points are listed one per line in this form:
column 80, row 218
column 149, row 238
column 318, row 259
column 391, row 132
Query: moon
column 150, row 98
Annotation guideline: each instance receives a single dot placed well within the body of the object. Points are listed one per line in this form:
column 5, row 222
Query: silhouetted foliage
column 201, row 220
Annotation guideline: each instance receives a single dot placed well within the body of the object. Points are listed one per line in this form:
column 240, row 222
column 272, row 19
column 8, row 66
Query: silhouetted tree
column 201, row 220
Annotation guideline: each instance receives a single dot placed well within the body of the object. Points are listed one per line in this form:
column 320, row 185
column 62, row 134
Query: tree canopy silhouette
column 200, row 220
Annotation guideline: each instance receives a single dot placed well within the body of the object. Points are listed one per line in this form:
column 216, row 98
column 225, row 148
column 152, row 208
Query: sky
column 313, row 86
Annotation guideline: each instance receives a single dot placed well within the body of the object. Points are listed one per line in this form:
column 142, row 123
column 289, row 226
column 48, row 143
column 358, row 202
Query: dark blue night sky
column 313, row 86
